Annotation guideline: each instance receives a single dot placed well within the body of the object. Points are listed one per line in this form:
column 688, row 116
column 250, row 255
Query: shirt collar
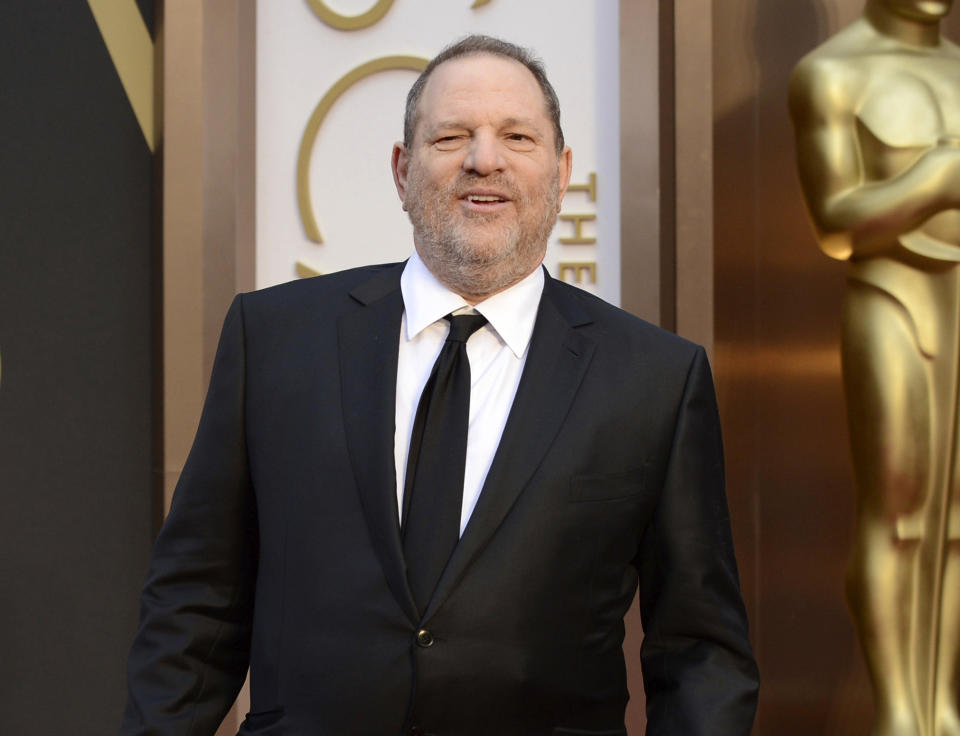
column 511, row 312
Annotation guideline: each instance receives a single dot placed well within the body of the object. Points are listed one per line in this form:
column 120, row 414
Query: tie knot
column 464, row 325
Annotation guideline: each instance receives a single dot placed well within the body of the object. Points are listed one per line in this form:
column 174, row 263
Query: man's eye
column 448, row 141
column 520, row 142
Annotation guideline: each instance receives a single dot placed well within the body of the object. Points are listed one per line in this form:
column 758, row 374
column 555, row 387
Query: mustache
column 504, row 184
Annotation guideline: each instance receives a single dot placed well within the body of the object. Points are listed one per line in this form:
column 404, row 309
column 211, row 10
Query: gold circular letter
column 386, row 63
column 350, row 22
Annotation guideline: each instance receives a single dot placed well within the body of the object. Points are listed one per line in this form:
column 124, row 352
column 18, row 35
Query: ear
column 399, row 161
column 564, row 167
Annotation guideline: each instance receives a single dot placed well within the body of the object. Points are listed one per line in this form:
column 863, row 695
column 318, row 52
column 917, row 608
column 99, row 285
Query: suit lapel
column 368, row 341
column 555, row 367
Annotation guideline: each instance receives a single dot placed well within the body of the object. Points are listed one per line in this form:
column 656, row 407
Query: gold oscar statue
column 876, row 111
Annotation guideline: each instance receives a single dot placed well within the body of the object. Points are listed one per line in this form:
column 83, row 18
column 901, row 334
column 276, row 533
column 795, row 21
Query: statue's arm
column 854, row 217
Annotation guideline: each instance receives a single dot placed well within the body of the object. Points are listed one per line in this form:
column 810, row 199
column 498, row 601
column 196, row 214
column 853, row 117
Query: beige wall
column 208, row 255
column 207, row 198
column 642, row 248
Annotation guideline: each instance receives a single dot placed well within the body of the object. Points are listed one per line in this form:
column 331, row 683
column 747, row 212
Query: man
column 877, row 119
column 311, row 533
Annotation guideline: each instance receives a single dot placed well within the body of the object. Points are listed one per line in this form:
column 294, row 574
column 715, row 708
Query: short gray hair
column 472, row 46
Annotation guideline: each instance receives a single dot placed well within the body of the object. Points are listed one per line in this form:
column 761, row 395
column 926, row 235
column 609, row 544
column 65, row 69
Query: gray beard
column 474, row 269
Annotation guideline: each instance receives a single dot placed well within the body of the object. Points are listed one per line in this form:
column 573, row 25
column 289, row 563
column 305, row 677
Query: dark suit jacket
column 282, row 547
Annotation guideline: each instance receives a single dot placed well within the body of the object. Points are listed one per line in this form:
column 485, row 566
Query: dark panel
column 76, row 329
column 146, row 8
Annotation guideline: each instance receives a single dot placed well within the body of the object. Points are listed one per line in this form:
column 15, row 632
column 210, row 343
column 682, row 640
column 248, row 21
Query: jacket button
column 424, row 639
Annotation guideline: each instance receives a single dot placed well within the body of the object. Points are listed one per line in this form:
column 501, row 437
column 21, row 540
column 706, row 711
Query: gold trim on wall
column 385, row 63
column 350, row 22
column 306, row 271
column 131, row 49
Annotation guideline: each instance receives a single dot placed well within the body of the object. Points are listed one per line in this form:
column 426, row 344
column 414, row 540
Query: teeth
column 483, row 198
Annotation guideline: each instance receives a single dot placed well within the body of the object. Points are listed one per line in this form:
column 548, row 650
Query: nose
column 484, row 156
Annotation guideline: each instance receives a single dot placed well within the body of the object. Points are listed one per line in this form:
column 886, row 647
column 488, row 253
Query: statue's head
column 925, row 11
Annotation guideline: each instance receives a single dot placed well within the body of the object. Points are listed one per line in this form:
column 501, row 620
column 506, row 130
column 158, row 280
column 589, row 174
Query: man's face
column 482, row 181
column 921, row 10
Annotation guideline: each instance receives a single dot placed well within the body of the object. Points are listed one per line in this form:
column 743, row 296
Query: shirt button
column 424, row 639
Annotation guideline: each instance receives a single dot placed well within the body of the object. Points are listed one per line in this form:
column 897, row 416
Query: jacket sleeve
column 699, row 672
column 190, row 654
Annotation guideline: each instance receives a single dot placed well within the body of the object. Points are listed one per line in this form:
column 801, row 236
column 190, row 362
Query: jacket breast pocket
column 607, row 486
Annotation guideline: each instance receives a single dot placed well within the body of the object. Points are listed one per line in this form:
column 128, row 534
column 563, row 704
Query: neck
column 900, row 27
column 474, row 299
column 477, row 282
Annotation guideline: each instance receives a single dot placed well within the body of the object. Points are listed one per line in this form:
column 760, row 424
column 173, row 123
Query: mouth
column 484, row 201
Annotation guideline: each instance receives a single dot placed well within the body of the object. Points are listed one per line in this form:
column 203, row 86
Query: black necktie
column 433, row 491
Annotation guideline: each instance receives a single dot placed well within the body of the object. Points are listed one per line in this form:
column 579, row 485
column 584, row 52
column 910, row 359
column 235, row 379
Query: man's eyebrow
column 448, row 125
column 454, row 124
column 520, row 121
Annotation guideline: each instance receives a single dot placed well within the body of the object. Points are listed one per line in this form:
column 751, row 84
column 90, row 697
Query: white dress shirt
column 497, row 353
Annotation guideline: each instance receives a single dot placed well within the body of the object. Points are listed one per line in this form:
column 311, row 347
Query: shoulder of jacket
column 319, row 290
column 616, row 323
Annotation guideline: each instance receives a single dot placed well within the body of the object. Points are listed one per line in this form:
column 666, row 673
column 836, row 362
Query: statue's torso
column 910, row 102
